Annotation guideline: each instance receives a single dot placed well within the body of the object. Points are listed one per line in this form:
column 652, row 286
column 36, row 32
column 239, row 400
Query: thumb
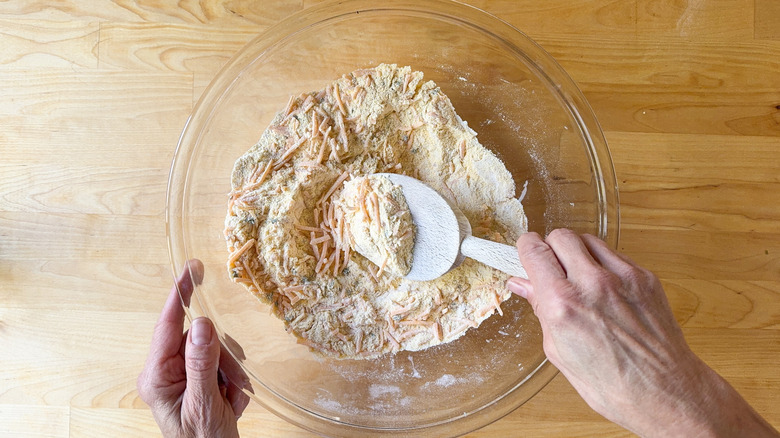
column 524, row 288
column 201, row 356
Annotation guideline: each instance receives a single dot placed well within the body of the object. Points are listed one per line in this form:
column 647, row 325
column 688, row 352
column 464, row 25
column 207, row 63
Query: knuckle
column 650, row 278
column 529, row 237
column 143, row 387
column 528, row 241
column 561, row 311
column 560, row 234
column 200, row 364
column 140, row 385
column 537, row 250
column 639, row 278
column 603, row 280
column 560, row 306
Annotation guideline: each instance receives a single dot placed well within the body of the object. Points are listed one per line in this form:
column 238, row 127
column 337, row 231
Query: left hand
column 192, row 389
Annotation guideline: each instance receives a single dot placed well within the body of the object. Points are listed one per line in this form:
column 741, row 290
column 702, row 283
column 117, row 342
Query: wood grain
column 95, row 94
column 168, row 47
column 59, row 189
column 690, row 254
column 81, row 237
column 601, row 17
column 767, row 15
column 677, row 86
column 135, row 287
column 86, row 383
column 670, row 181
column 701, row 66
column 33, row 421
column 101, row 422
column 726, row 20
column 559, row 17
column 218, row 12
column 124, row 94
column 49, row 44
column 724, row 303
column 135, row 142
column 679, row 109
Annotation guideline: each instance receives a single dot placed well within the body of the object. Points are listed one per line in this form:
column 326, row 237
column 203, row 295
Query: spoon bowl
column 443, row 235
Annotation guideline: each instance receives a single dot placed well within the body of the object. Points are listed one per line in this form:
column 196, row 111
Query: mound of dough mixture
column 379, row 224
column 303, row 202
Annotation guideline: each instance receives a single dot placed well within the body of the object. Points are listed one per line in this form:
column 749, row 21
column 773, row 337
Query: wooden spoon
column 443, row 235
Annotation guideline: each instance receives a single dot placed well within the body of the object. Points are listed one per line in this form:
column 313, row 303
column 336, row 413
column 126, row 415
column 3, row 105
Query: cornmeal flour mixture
column 292, row 240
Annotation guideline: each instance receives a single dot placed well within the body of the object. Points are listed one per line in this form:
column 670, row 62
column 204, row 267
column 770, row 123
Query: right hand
column 609, row 329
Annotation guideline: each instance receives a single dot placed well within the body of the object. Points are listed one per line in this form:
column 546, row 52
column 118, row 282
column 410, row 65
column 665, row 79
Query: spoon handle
column 496, row 255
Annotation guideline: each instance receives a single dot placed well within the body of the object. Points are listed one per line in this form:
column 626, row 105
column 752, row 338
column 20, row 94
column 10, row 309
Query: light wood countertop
column 93, row 97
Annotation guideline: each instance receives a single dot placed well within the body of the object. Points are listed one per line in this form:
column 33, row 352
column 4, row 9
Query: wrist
column 729, row 414
column 702, row 404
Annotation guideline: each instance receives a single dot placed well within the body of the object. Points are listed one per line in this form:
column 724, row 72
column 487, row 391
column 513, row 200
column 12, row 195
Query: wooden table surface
column 93, row 96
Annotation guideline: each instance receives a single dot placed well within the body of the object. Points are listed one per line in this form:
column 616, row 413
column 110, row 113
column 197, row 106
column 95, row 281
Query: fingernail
column 201, row 331
column 514, row 285
column 196, row 270
column 241, row 382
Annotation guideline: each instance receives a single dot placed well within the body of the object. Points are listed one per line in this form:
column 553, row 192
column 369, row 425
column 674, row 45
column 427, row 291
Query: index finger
column 539, row 259
column 167, row 333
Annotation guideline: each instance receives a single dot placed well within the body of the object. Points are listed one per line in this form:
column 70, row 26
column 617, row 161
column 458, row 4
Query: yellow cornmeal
column 288, row 234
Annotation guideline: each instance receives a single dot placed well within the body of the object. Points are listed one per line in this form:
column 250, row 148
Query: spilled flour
column 291, row 237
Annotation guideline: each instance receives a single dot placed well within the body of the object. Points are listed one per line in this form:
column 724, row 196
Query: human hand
column 192, row 387
column 609, row 329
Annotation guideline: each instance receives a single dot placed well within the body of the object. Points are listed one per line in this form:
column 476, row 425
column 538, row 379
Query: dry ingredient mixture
column 290, row 228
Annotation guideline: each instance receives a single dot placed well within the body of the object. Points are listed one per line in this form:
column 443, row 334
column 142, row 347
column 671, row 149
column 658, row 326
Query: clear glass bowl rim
column 513, row 39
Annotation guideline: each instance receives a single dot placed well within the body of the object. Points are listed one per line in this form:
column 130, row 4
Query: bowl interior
column 523, row 107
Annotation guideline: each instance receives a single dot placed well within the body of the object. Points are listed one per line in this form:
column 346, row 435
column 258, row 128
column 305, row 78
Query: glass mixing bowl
column 524, row 108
